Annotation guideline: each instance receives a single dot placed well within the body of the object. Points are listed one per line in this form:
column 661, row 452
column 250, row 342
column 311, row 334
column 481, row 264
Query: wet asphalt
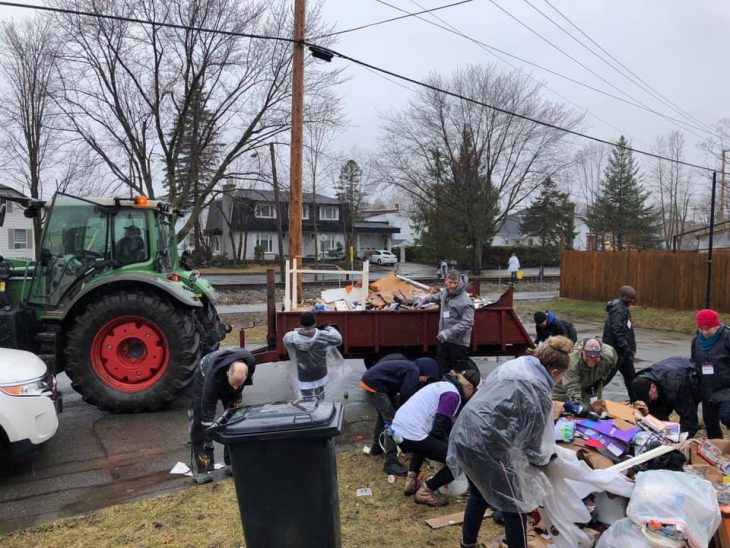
column 98, row 459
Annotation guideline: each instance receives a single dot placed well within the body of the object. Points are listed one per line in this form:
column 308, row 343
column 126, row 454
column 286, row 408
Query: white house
column 396, row 218
column 16, row 234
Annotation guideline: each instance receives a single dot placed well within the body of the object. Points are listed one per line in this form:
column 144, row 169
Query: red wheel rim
column 130, row 353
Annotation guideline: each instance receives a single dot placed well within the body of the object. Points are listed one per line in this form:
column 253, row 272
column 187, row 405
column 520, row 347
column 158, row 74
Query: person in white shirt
column 512, row 267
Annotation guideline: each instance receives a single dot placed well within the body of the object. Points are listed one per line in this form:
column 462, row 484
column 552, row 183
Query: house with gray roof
column 16, row 234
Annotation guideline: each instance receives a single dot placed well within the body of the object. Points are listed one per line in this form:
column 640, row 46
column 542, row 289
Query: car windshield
column 75, row 238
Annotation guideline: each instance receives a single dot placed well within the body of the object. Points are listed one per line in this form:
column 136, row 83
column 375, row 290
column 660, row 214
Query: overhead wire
column 594, row 73
column 517, row 68
column 376, row 23
column 378, row 69
column 627, row 69
column 538, row 66
column 631, row 79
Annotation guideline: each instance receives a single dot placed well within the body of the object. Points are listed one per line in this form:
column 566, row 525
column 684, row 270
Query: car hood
column 19, row 365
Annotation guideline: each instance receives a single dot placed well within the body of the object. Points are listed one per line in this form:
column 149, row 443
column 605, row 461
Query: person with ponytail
column 503, row 438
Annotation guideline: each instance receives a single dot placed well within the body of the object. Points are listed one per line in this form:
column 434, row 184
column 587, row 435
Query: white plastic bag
column 572, row 480
column 623, row 534
column 677, row 498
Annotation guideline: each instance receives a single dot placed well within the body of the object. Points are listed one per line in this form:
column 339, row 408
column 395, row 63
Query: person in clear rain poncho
column 504, row 436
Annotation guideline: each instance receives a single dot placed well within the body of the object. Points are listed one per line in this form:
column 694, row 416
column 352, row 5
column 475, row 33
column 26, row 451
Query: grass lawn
column 682, row 321
column 207, row 515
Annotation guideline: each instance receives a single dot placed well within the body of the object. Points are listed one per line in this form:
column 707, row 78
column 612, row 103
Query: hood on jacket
column 550, row 317
column 224, row 359
column 428, row 367
column 305, row 337
column 611, row 304
column 463, row 282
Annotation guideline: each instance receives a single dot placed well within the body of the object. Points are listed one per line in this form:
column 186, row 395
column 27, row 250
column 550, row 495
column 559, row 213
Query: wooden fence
column 662, row 279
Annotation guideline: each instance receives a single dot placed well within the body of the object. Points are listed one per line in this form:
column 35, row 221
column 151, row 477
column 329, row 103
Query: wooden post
column 277, row 205
column 270, row 309
column 297, row 123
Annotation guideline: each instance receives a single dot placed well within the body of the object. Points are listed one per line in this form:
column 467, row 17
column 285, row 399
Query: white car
column 381, row 256
column 29, row 402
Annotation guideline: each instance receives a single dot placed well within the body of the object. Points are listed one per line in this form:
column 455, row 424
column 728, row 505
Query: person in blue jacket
column 389, row 384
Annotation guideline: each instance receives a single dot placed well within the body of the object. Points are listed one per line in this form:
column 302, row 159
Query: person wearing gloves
column 455, row 322
column 547, row 325
column 711, row 357
column 308, row 346
column 671, row 384
column 389, row 384
column 504, row 436
column 220, row 375
column 618, row 332
column 591, row 363
column 422, row 425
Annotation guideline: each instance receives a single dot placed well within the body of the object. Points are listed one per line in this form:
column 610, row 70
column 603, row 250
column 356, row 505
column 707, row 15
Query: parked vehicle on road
column 107, row 301
column 382, row 256
column 29, row 403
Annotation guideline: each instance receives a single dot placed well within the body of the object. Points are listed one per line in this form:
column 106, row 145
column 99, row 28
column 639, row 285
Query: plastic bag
column 676, row 498
column 572, row 480
column 623, row 533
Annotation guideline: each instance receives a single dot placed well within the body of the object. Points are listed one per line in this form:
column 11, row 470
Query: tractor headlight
column 37, row 387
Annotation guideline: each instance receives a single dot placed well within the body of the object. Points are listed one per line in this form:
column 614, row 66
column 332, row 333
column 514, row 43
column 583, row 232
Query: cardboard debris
column 451, row 519
column 615, row 410
column 589, row 455
column 705, row 471
column 557, row 410
column 390, row 282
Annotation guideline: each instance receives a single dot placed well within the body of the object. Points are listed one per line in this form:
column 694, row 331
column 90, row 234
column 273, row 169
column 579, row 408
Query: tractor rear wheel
column 131, row 351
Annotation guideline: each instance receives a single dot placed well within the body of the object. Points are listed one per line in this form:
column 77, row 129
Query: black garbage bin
column 284, row 468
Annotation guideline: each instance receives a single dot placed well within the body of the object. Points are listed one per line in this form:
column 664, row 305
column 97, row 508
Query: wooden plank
column 451, row 519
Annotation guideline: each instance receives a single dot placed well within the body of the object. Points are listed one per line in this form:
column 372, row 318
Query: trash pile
column 621, row 477
column 391, row 292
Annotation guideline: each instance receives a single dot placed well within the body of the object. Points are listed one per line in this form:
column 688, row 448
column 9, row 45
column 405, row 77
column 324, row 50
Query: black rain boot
column 392, row 466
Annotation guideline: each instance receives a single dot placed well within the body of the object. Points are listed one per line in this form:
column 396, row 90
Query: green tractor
column 108, row 302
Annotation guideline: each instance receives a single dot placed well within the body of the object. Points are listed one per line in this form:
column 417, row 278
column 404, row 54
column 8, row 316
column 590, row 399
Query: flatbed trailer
column 372, row 334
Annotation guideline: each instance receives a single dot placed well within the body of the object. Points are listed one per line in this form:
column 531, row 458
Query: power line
column 624, row 66
column 391, row 19
column 517, row 68
column 583, row 65
column 381, row 70
column 536, row 65
column 125, row 19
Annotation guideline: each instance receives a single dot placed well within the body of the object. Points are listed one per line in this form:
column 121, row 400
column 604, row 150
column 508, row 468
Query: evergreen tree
column 620, row 216
column 350, row 193
column 198, row 158
column 550, row 218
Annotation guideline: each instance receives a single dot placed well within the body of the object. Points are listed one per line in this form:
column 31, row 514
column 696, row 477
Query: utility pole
column 708, row 294
column 277, row 205
column 721, row 213
column 297, row 123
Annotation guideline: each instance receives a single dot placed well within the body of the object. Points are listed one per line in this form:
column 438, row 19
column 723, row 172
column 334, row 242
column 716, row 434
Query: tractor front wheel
column 131, row 352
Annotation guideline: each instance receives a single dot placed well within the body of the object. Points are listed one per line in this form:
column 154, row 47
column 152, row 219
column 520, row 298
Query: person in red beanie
column 711, row 356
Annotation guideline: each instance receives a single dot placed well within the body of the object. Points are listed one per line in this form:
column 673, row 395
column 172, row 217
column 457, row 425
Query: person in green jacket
column 591, row 364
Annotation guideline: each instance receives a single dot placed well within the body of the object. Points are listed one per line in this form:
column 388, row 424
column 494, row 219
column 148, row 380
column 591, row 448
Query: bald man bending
column 220, row 375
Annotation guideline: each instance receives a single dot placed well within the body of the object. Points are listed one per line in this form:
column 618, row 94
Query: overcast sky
column 677, row 46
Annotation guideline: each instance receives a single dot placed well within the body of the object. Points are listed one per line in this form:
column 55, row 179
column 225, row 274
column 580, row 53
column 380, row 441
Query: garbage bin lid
column 284, row 419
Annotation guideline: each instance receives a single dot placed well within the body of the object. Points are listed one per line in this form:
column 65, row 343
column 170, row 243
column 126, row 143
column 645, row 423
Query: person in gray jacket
column 308, row 347
column 455, row 322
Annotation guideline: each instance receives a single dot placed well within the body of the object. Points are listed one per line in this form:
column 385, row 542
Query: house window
column 20, row 238
column 265, row 211
column 305, row 212
column 329, row 241
column 266, row 241
column 329, row 213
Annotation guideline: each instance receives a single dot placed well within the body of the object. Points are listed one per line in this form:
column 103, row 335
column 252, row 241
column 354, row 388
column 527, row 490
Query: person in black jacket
column 389, row 384
column 220, row 375
column 711, row 358
column 671, row 384
column 548, row 325
column 618, row 332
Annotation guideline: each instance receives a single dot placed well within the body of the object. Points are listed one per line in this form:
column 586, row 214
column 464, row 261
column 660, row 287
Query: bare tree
column 673, row 186
column 28, row 55
column 470, row 163
column 588, row 167
column 129, row 88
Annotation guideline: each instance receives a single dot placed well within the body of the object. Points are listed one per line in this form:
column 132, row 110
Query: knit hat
column 473, row 376
column 707, row 318
column 540, row 317
column 307, row 319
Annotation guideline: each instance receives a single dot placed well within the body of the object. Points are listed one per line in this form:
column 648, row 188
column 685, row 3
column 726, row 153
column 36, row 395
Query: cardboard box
column 615, row 410
column 708, row 451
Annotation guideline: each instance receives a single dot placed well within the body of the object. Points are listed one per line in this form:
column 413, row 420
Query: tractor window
column 165, row 243
column 74, row 240
column 130, row 237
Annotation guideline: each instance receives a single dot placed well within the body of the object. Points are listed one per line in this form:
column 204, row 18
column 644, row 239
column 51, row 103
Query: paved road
column 98, row 459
